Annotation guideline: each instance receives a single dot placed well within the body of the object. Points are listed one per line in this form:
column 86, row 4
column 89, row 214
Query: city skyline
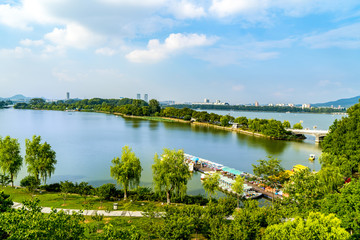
column 183, row 50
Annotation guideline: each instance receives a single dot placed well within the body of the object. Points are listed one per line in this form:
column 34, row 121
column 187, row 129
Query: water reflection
column 273, row 147
column 153, row 125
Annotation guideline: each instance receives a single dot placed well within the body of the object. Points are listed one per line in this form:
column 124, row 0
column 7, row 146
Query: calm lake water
column 85, row 143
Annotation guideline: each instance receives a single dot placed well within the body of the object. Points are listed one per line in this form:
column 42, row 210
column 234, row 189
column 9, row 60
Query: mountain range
column 16, row 98
column 344, row 102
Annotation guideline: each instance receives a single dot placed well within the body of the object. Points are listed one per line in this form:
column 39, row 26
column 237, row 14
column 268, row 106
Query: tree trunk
column 12, row 180
column 125, row 194
column 168, row 197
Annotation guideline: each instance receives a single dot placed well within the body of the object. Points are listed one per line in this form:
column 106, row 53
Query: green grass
column 160, row 119
column 75, row 201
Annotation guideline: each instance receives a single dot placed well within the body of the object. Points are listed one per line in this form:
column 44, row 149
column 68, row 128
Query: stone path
column 118, row 213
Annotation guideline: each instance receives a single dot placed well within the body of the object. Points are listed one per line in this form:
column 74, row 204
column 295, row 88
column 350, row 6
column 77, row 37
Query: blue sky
column 237, row 51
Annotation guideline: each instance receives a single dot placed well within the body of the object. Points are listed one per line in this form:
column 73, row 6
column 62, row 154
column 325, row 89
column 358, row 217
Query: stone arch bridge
column 319, row 134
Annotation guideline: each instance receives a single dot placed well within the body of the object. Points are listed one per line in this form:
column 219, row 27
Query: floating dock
column 209, row 167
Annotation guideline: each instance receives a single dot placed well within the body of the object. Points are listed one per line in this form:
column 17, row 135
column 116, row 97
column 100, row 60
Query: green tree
column 30, row 182
column 345, row 205
column 154, row 106
column 5, row 203
column 211, row 183
column 40, row 158
column 297, row 126
column 84, row 189
column 170, row 173
column 66, row 188
column 225, row 120
column 286, row 124
column 10, row 158
column 238, row 187
column 106, row 191
column 30, row 223
column 4, row 180
column 127, row 170
column 342, row 145
column 315, row 226
column 268, row 169
column 304, row 190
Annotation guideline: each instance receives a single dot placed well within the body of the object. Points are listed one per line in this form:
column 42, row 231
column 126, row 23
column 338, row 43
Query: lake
column 85, row 143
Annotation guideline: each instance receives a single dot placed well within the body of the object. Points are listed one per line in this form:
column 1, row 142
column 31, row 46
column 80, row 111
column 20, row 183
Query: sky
column 235, row 51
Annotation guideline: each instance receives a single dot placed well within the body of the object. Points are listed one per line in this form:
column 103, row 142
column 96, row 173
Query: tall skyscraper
column 146, row 97
column 256, row 104
column 67, row 96
column 138, row 96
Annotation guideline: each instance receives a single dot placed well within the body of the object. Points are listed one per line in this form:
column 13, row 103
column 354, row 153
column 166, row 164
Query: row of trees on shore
column 134, row 107
column 39, row 157
column 282, row 109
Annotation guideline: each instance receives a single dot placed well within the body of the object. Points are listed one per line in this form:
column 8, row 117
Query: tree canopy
column 10, row 158
column 127, row 170
column 40, row 158
column 343, row 143
column 315, row 226
column 170, row 173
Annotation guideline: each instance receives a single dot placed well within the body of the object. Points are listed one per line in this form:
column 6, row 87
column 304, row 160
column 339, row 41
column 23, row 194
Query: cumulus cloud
column 105, row 51
column 73, row 35
column 28, row 42
column 174, row 43
column 18, row 52
column 344, row 37
column 185, row 9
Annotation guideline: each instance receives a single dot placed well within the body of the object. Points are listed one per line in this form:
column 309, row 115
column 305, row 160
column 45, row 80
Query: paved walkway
column 17, row 205
column 119, row 213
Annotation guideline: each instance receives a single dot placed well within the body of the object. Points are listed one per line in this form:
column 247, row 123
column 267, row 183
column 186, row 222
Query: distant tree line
column 135, row 107
column 260, row 108
column 5, row 103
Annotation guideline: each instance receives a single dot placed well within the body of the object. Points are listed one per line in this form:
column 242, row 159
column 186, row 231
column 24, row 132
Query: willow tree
column 170, row 173
column 10, row 158
column 238, row 187
column 211, row 183
column 40, row 158
column 127, row 170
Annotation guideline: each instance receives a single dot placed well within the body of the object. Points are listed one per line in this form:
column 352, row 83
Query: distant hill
column 345, row 102
column 17, row 98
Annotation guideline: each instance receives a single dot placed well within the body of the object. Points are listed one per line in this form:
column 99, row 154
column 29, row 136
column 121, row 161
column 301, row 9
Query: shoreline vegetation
column 321, row 205
column 281, row 109
column 132, row 108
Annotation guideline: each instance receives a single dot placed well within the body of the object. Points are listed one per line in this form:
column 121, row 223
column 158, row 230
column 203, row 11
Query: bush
column 106, row 191
column 30, row 182
column 54, row 187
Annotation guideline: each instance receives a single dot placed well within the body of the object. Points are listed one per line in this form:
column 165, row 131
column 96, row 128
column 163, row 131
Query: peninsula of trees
column 131, row 107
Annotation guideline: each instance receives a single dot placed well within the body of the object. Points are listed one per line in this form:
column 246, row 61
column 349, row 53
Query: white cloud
column 105, row 51
column 224, row 8
column 185, row 9
column 73, row 35
column 344, row 37
column 18, row 52
column 28, row 42
column 174, row 43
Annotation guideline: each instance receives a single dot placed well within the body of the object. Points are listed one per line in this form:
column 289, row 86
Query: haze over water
column 85, row 143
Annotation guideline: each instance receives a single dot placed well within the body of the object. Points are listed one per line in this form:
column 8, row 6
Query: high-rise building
column 67, row 96
column 256, row 104
column 146, row 97
column 206, row 100
column 138, row 96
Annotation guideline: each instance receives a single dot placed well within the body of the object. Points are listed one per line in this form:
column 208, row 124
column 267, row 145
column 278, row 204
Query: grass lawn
column 75, row 201
column 160, row 119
